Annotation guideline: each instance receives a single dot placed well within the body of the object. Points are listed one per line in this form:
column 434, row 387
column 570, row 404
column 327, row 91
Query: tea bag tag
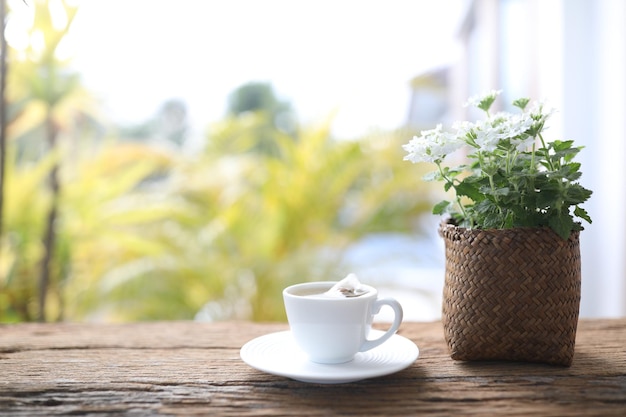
column 350, row 286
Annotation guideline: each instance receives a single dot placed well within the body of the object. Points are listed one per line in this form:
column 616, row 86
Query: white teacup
column 331, row 329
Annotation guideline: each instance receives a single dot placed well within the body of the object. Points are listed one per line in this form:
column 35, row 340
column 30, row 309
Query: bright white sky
column 353, row 56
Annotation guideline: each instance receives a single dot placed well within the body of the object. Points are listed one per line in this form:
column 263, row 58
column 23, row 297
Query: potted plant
column 511, row 232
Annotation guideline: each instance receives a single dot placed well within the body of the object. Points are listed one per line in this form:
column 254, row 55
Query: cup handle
column 397, row 319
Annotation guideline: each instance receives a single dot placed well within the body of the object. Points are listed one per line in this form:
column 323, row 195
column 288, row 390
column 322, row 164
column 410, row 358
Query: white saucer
column 277, row 354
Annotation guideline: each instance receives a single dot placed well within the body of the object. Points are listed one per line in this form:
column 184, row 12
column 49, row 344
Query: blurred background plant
column 166, row 169
column 118, row 223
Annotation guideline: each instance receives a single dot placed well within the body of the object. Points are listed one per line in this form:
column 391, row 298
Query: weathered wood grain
column 186, row 368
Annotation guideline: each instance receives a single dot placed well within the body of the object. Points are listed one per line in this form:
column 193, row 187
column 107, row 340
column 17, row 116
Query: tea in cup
column 331, row 321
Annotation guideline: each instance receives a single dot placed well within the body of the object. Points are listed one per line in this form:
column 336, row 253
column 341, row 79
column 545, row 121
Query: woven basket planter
column 511, row 294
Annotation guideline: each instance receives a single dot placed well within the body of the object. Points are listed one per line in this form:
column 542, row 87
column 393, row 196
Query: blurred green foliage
column 146, row 232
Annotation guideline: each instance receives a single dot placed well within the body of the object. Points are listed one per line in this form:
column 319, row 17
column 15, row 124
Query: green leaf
column 547, row 198
column 561, row 145
column 574, row 172
column 485, row 207
column 573, row 166
column 566, row 172
column 486, row 102
column 562, row 225
column 521, row 103
column 441, row 207
column 567, row 154
column 469, row 190
column 576, row 194
column 501, row 192
column 582, row 213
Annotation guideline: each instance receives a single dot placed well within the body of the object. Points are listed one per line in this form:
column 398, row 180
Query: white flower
column 516, row 130
column 463, row 128
column 487, row 137
column 482, row 100
column 507, row 152
column 512, row 125
column 525, row 143
column 431, row 146
column 519, row 126
column 538, row 115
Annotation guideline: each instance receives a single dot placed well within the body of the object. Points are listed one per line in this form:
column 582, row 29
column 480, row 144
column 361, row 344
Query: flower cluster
column 513, row 177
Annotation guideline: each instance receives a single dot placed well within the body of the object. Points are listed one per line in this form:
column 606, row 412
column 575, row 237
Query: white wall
column 572, row 53
column 594, row 105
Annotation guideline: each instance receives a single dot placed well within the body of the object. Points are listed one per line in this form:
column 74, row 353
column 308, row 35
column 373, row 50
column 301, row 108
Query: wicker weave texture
column 511, row 294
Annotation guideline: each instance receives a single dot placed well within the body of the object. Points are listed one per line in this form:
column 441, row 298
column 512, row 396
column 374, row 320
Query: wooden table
column 188, row 368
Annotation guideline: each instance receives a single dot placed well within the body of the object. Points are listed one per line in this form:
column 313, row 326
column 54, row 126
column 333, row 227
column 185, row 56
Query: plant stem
column 456, row 194
column 548, row 160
